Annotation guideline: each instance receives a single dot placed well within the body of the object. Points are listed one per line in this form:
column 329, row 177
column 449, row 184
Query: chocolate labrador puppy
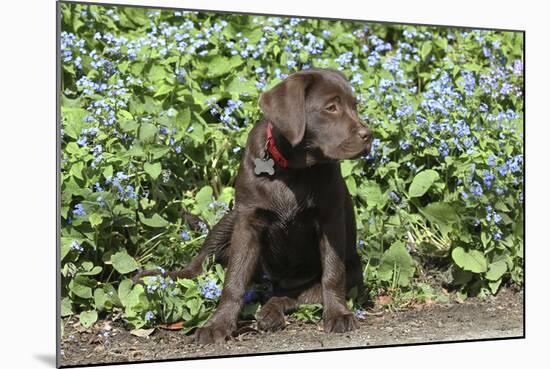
column 293, row 218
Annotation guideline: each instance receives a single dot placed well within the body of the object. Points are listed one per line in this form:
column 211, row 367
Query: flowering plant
column 156, row 107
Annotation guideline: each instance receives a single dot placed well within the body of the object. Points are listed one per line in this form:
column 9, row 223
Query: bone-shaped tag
column 264, row 166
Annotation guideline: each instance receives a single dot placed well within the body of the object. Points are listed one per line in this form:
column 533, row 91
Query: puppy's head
column 315, row 111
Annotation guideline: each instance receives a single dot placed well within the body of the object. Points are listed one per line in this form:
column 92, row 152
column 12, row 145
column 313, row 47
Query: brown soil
column 495, row 317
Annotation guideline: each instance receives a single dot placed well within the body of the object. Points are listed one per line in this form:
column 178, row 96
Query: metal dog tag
column 264, row 166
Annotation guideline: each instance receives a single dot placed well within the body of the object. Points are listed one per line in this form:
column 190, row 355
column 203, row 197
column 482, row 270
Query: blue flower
column 76, row 246
column 394, row 197
column 518, row 67
column 249, row 296
column 203, row 227
column 503, row 169
column 291, row 64
column 97, row 149
column 404, row 145
column 185, row 235
column 210, row 289
column 82, row 141
column 79, row 210
column 468, row 82
column 444, row 149
column 149, row 316
column 344, row 58
column 514, row 164
column 491, row 161
column 360, row 314
column 488, row 178
column 476, row 189
column 404, row 110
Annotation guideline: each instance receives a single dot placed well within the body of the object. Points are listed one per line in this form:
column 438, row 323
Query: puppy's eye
column 331, row 108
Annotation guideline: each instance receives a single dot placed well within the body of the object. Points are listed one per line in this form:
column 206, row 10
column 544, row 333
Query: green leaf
column 472, row 260
column 81, row 286
column 163, row 90
column 347, row 166
column 124, row 290
column 352, row 186
column 493, row 286
column 204, row 197
column 100, row 297
column 372, row 194
column 157, row 72
column 153, row 169
column 227, row 194
column 158, row 151
column 95, row 219
column 128, row 125
column 426, row 49
column 220, row 65
column 88, row 318
column 65, row 246
column 135, row 150
column 240, row 85
column 194, row 306
column 66, row 307
column 147, row 132
column 123, row 263
column 156, row 221
column 422, row 182
column 441, row 213
column 92, row 271
column 496, row 270
column 76, row 170
column 397, row 262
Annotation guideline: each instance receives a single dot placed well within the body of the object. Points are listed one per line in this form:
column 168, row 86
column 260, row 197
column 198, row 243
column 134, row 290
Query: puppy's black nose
column 364, row 133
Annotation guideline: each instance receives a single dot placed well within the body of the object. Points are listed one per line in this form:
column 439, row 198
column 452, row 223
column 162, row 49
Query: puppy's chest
column 291, row 204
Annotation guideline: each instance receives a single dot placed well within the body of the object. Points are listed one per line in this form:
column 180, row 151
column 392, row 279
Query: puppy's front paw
column 341, row 323
column 214, row 333
column 271, row 318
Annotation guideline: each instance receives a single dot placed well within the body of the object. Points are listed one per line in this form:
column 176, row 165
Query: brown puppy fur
column 296, row 226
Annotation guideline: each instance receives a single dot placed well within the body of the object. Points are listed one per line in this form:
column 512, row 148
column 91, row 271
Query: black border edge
column 58, row 185
column 523, row 185
column 58, row 364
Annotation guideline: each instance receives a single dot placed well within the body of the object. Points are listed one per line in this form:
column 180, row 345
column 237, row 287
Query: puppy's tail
column 216, row 244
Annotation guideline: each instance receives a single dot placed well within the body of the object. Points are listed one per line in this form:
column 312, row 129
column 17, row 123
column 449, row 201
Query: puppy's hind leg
column 271, row 316
column 216, row 243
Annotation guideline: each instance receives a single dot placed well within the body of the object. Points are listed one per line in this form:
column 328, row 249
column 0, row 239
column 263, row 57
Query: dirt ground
column 495, row 317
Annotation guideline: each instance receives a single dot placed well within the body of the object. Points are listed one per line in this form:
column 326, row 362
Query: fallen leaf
column 172, row 326
column 429, row 302
column 384, row 300
column 142, row 332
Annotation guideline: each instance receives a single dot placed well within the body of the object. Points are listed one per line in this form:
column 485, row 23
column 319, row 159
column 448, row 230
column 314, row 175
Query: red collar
column 272, row 148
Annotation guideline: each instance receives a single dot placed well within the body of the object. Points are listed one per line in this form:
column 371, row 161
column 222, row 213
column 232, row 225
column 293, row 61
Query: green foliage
column 155, row 111
column 308, row 313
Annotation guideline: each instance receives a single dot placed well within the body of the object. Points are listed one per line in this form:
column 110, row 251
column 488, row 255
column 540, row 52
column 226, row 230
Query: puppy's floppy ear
column 284, row 106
